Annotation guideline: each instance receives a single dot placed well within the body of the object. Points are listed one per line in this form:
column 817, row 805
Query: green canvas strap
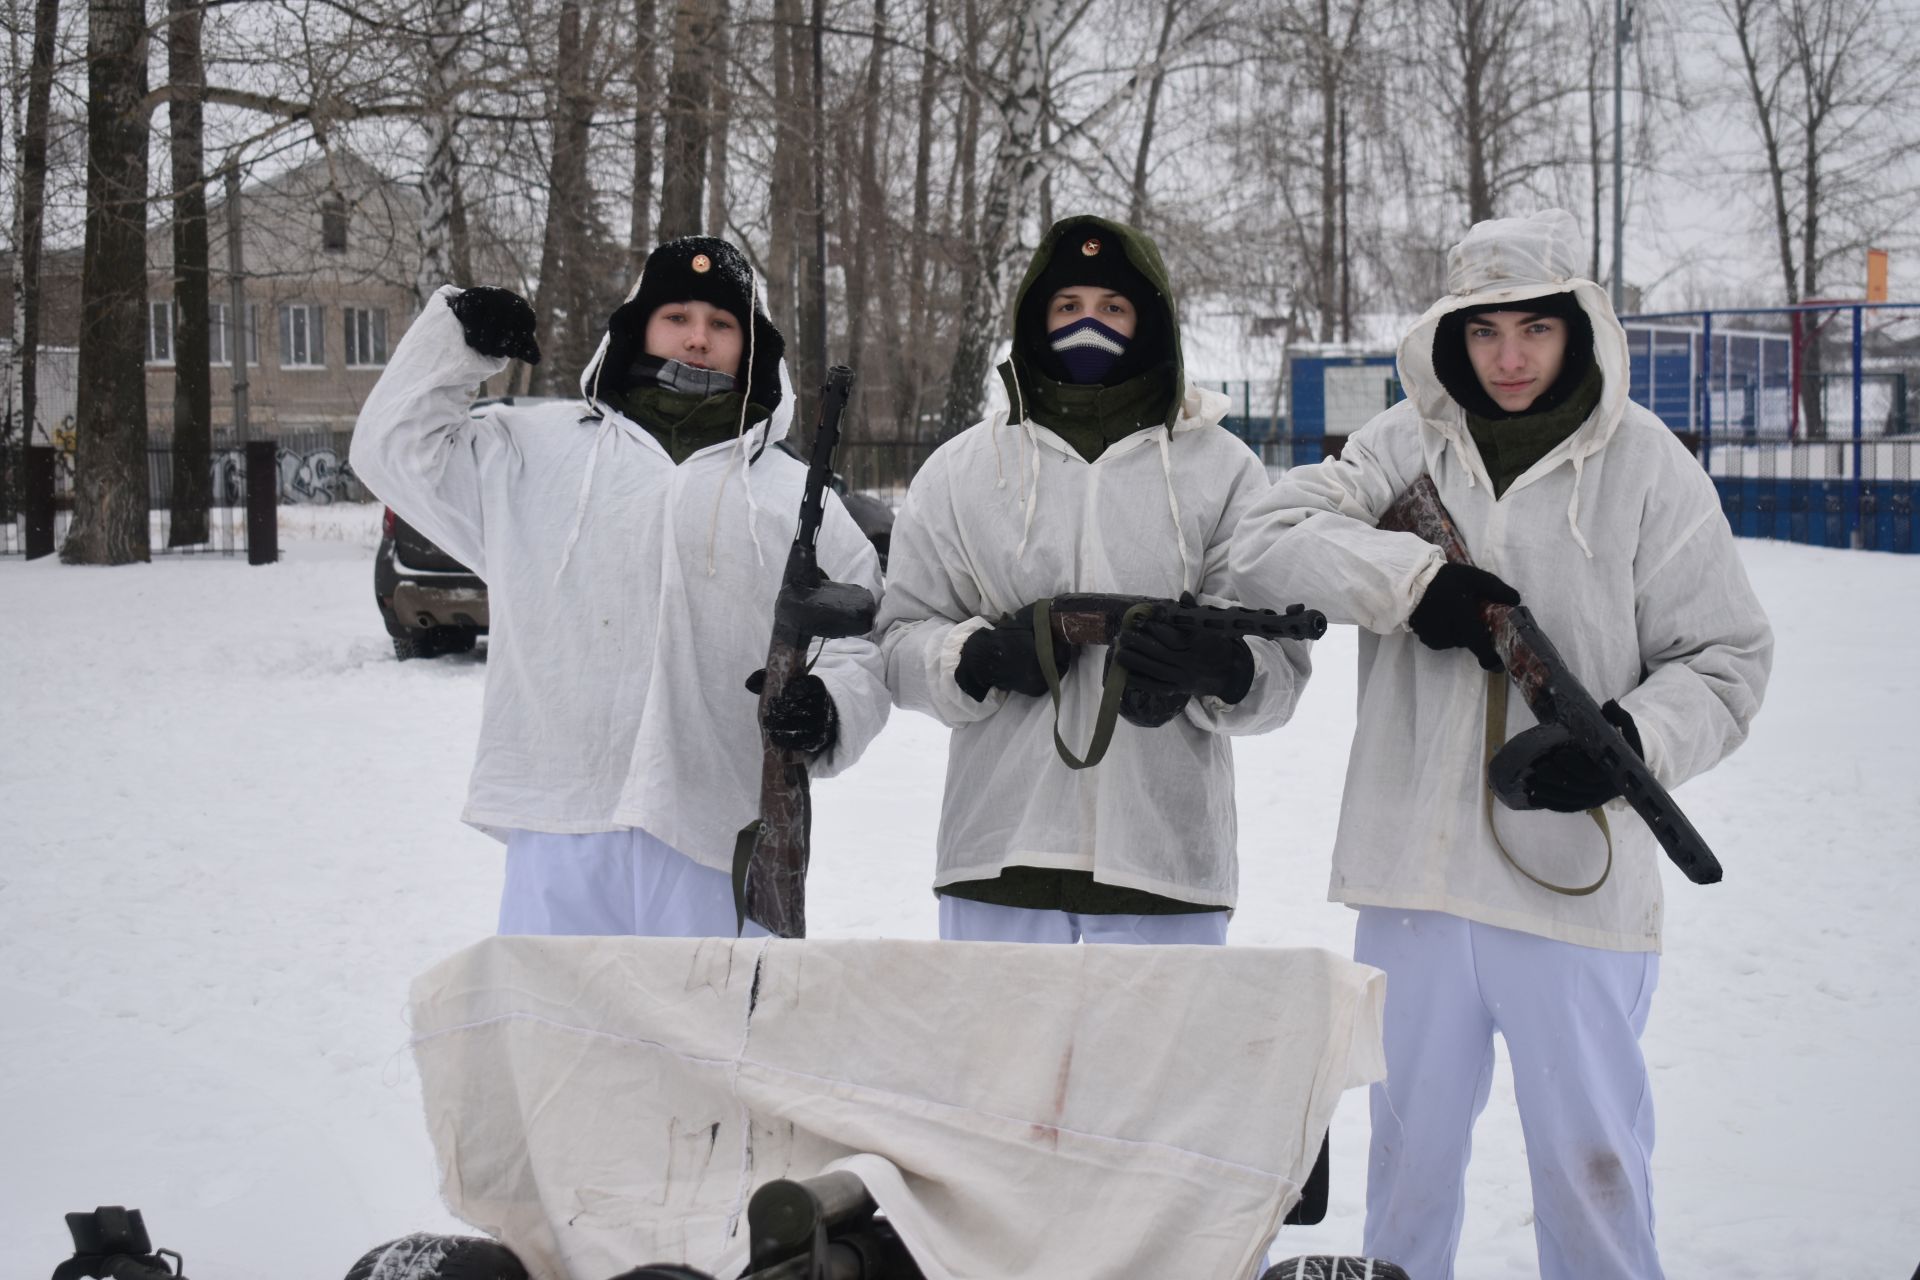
column 1110, row 690
column 1496, row 738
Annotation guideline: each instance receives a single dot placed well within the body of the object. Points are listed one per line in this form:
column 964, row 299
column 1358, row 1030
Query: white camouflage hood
column 1510, row 260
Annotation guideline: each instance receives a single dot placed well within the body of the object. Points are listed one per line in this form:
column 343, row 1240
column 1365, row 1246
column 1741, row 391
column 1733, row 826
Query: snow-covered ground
column 228, row 841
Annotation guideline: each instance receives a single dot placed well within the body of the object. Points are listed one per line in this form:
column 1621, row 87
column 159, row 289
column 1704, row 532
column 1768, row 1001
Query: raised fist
column 496, row 322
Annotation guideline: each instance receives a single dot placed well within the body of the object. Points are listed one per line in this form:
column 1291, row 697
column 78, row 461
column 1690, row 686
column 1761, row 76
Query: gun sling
column 1496, row 738
column 1111, row 687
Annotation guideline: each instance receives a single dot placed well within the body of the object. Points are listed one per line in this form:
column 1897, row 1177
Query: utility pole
column 1622, row 33
column 239, row 331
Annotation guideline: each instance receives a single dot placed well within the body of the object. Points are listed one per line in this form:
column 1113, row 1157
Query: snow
column 229, row 834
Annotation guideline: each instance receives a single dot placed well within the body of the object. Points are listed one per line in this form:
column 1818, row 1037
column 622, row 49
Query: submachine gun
column 770, row 853
column 1089, row 617
column 1555, row 696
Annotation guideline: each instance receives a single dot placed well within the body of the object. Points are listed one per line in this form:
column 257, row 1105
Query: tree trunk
column 685, row 144
column 1137, row 197
column 1014, row 163
column 912, row 387
column 969, row 144
column 437, row 183
column 557, row 312
column 1813, row 405
column 192, row 377
column 32, row 215
column 783, row 195
column 813, row 239
column 110, row 499
column 1323, row 269
column 720, row 116
column 1474, row 58
column 646, row 90
column 874, row 263
column 1596, row 162
column 461, row 241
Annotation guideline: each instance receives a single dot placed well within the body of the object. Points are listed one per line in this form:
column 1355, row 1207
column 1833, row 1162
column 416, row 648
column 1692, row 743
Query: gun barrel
column 1092, row 617
column 784, row 1214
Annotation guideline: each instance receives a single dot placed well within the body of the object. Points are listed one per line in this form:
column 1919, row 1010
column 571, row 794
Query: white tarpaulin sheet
column 599, row 1103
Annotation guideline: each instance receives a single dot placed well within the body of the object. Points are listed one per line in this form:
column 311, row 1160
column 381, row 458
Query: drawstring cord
column 1029, row 483
column 1173, row 506
column 1032, row 499
column 1573, row 505
column 586, row 489
column 740, row 445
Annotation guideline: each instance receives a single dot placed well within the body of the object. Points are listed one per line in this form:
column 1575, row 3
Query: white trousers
column 613, row 883
column 963, row 920
column 1572, row 1018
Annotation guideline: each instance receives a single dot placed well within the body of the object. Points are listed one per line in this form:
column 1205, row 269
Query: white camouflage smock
column 1615, row 541
column 1007, row 513
column 629, row 597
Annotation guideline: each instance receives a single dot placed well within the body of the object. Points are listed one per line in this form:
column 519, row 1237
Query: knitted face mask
column 1087, row 349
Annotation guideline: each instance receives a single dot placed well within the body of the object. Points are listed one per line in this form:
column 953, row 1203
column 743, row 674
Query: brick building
column 329, row 253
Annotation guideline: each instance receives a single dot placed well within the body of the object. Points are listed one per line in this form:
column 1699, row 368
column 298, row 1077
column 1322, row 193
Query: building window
column 366, row 337
column 219, row 330
column 160, row 332
column 333, row 224
column 300, row 337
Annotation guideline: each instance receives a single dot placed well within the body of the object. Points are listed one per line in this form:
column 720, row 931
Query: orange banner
column 1876, row 275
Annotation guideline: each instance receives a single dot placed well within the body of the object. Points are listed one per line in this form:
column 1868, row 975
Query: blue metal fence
column 1804, row 416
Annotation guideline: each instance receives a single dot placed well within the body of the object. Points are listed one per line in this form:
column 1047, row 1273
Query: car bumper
column 460, row 603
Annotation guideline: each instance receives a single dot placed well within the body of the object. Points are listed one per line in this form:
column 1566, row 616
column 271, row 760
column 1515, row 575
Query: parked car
column 432, row 604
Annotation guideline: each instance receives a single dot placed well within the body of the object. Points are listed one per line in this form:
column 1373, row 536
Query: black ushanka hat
column 1454, row 368
column 696, row 269
column 1086, row 253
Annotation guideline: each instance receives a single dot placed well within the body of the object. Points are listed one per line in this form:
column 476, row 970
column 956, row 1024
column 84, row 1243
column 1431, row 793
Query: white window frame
column 161, row 336
column 217, row 335
column 364, row 328
column 305, row 338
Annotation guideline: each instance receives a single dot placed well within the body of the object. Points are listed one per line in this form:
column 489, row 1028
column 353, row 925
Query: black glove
column 1544, row 768
column 1190, row 660
column 1448, row 615
column 496, row 322
column 1002, row 656
column 802, row 717
column 1149, row 708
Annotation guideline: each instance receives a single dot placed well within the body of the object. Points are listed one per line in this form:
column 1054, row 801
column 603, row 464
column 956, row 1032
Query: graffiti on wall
column 314, row 477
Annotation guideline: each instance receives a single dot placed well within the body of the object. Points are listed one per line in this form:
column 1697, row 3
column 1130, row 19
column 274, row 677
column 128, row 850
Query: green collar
column 685, row 423
column 1092, row 417
column 1509, row 446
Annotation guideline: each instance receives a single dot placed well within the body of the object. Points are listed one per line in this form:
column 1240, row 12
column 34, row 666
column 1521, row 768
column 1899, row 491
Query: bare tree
column 1831, row 85
column 30, row 219
column 439, row 116
column 689, row 89
column 192, row 478
column 110, row 502
column 1492, row 82
column 719, row 118
column 646, row 92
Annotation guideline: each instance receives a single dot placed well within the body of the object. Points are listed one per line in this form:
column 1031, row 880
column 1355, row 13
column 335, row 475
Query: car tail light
column 386, row 524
